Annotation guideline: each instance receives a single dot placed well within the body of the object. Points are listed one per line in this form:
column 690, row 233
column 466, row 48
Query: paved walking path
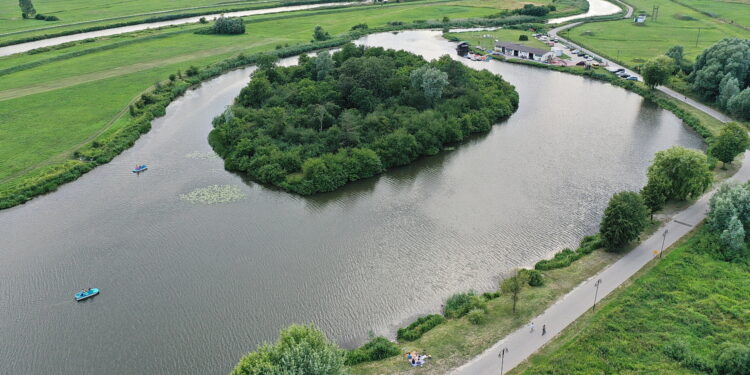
column 521, row 344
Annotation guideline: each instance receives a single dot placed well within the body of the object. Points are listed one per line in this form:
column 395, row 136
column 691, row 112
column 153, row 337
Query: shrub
column 360, row 26
column 734, row 359
column 375, row 350
column 476, row 316
column 228, row 25
column 523, row 37
column 191, row 71
column 419, row 327
column 490, row 296
column 535, row 278
column 203, row 20
column 460, row 304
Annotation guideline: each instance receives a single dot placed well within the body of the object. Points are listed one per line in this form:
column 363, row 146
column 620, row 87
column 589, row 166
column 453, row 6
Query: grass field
column 730, row 11
column 76, row 11
column 477, row 38
column 689, row 301
column 67, row 98
column 676, row 25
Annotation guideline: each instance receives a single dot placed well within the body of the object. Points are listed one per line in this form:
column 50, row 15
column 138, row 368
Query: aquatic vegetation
column 214, row 194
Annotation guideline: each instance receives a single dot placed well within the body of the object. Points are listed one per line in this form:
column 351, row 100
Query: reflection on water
column 188, row 288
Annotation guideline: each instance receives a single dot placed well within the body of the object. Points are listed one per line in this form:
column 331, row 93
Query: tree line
column 337, row 118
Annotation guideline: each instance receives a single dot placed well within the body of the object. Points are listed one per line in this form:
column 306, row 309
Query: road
column 554, row 33
column 522, row 343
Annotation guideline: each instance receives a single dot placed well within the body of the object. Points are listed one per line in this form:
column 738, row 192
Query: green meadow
column 676, row 24
column 673, row 318
column 480, row 38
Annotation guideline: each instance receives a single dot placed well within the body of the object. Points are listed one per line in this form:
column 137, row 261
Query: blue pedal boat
column 84, row 294
column 140, row 168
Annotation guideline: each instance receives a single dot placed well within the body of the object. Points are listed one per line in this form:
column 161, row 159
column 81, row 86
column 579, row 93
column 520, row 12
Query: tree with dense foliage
column 656, row 71
column 533, row 10
column 739, row 105
column 228, row 25
column 319, row 34
column 729, row 218
column 676, row 53
column 513, row 287
column 731, row 141
column 300, row 349
column 728, row 56
column 728, row 88
column 680, row 173
column 338, row 118
column 624, row 219
column 27, row 8
column 654, row 194
column 523, row 37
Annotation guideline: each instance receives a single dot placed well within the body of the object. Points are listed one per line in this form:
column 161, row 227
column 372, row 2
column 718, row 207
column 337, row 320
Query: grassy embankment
column 688, row 302
column 96, row 80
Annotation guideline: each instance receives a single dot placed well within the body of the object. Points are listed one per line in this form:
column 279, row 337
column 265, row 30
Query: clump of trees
column 676, row 174
column 534, row 10
column 731, row 141
column 721, row 74
column 657, row 71
column 338, row 118
column 729, row 219
column 228, row 25
column 320, row 35
column 624, row 219
column 300, row 349
column 28, row 12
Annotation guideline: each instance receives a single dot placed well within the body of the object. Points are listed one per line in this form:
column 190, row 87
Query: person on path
column 532, row 326
column 544, row 329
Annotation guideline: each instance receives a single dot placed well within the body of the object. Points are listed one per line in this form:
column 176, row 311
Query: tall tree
column 657, row 71
column 739, row 105
column 624, row 219
column 431, row 81
column 675, row 52
column 728, row 88
column 513, row 286
column 731, row 141
column 684, row 173
column 27, row 8
column 728, row 56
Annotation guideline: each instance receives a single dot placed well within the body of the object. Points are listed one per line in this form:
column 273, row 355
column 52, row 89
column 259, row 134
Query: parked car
column 575, row 51
column 632, row 78
column 623, row 75
column 618, row 71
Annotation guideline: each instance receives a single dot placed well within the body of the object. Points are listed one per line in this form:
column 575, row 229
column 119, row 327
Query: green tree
column 655, row 195
column 319, row 34
column 513, row 287
column 431, row 81
column 229, row 25
column 731, row 141
column 734, row 359
column 256, row 92
column 657, row 71
column 676, row 53
column 523, row 37
column 739, row 105
column 728, row 56
column 300, row 349
column 624, row 219
column 682, row 173
column 323, row 65
column 728, row 88
column 27, row 8
column 397, row 148
column 733, row 238
column 266, row 61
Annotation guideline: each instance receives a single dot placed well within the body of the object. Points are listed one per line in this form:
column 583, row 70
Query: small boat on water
column 140, row 168
column 88, row 293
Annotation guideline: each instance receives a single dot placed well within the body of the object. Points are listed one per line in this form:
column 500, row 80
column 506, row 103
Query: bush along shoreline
column 330, row 120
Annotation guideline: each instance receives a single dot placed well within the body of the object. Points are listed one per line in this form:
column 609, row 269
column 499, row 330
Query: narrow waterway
column 596, row 8
column 188, row 288
column 28, row 46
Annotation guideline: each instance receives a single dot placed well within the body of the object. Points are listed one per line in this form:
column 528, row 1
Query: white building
column 520, row 51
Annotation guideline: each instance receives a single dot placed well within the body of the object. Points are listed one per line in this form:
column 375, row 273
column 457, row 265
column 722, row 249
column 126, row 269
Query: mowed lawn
column 67, row 102
column 686, row 306
column 631, row 44
column 74, row 11
column 737, row 11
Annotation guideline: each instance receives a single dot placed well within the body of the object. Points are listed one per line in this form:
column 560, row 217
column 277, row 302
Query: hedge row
column 419, row 327
column 564, row 258
column 375, row 350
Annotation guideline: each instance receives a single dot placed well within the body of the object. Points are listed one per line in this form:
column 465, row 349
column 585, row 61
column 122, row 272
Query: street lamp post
column 502, row 359
column 664, row 238
column 596, row 284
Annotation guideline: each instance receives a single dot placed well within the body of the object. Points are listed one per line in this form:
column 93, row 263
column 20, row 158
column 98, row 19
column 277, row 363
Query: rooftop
column 521, row 47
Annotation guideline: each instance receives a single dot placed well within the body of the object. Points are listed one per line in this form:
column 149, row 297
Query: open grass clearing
column 477, row 38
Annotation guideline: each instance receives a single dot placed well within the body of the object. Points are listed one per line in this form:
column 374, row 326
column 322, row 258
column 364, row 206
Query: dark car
column 632, row 78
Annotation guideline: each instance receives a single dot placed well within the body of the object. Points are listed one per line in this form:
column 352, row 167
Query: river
column 596, row 8
column 188, row 288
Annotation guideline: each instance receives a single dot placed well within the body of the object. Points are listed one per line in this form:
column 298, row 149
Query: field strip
column 119, row 71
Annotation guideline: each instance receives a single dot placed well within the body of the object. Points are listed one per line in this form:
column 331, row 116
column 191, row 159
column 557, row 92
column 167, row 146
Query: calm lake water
column 188, row 288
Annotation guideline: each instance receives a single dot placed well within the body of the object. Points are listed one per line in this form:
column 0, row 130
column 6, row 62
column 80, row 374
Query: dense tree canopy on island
column 332, row 119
